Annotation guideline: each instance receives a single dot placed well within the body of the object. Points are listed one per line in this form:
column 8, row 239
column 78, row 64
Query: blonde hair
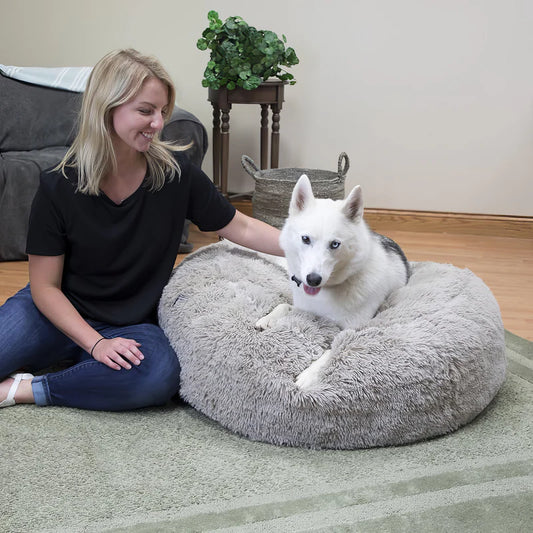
column 115, row 79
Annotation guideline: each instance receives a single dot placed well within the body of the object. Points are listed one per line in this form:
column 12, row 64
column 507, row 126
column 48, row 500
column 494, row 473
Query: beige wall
column 431, row 99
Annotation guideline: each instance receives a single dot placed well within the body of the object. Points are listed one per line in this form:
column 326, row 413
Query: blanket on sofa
column 69, row 78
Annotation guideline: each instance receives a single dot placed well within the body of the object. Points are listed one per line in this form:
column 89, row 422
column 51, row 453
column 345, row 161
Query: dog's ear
column 302, row 195
column 353, row 205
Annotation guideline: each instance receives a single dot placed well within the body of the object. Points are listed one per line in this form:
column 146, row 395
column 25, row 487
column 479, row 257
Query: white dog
column 342, row 270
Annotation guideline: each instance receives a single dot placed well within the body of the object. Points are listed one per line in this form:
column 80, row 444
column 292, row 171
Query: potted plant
column 242, row 56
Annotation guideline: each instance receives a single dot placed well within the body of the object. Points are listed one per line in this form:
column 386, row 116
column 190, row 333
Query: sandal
column 10, row 400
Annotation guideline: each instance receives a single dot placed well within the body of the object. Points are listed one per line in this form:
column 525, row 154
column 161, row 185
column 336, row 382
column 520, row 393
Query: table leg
column 274, row 154
column 264, row 136
column 216, row 145
column 224, row 145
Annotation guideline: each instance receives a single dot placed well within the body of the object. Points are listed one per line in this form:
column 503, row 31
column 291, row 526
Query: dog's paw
column 309, row 379
column 270, row 320
column 264, row 323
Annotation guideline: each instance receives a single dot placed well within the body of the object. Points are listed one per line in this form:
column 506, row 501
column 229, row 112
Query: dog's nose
column 313, row 280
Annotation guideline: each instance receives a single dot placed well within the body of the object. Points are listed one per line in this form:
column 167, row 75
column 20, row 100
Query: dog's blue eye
column 306, row 239
column 334, row 245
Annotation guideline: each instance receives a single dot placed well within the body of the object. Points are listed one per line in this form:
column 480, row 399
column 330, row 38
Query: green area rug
column 173, row 469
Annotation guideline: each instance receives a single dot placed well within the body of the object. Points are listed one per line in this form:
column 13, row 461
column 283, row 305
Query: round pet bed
column 429, row 362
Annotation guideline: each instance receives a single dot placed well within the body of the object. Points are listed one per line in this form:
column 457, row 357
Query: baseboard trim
column 436, row 222
column 454, row 223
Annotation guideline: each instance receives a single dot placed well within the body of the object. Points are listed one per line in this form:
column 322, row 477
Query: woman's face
column 137, row 121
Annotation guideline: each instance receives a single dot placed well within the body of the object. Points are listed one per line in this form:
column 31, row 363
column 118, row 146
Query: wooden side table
column 269, row 93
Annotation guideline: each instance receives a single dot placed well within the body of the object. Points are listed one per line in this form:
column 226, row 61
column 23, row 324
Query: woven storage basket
column 273, row 187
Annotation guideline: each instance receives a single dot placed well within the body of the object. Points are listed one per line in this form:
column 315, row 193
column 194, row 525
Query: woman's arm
column 45, row 282
column 252, row 233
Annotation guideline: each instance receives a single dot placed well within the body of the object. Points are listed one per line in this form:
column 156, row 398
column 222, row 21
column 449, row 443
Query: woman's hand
column 117, row 353
column 46, row 273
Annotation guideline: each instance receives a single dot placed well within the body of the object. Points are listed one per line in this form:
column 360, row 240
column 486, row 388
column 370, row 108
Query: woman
column 105, row 228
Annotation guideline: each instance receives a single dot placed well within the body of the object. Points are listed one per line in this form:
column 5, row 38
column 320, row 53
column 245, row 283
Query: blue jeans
column 29, row 341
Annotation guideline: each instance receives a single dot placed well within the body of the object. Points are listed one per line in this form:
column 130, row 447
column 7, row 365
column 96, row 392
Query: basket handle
column 343, row 169
column 249, row 165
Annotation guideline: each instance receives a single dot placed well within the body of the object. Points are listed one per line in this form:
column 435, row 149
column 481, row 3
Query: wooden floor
column 504, row 263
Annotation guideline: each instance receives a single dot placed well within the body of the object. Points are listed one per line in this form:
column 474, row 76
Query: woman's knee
column 159, row 372
column 27, row 338
column 158, row 385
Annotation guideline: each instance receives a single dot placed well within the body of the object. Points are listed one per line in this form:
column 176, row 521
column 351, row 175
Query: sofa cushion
column 34, row 117
column 19, row 178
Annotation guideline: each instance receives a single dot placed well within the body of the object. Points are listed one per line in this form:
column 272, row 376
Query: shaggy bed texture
column 428, row 363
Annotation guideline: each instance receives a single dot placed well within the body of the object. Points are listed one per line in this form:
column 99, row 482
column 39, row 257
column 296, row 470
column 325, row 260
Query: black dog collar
column 296, row 280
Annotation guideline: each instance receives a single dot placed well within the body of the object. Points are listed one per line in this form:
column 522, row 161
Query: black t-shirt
column 118, row 258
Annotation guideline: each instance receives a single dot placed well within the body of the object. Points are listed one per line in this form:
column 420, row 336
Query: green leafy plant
column 242, row 56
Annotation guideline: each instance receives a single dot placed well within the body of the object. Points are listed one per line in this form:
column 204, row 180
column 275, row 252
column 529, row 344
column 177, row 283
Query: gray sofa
column 37, row 124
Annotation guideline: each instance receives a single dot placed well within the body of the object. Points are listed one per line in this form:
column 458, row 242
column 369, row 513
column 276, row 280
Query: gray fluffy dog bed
column 429, row 362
